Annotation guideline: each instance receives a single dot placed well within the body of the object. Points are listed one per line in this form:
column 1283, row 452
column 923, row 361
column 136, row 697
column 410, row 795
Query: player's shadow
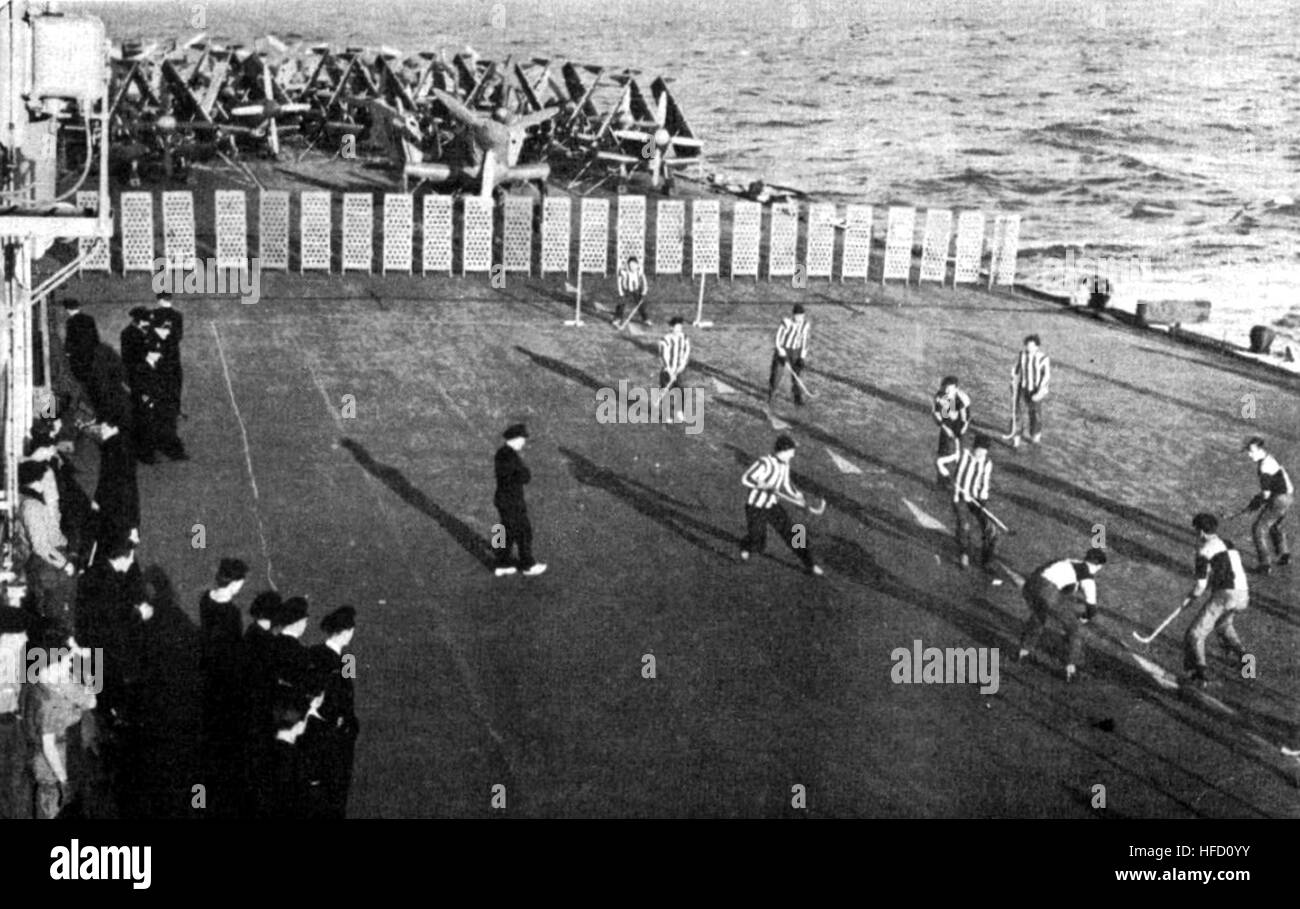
column 651, row 503
column 462, row 533
column 560, row 368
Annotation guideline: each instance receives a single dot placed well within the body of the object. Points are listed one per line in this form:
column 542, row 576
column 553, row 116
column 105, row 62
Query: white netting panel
column 704, row 237
column 746, row 233
column 435, row 234
column 856, row 259
column 137, row 231
column 517, row 234
column 178, row 228
column 970, row 247
column 314, row 228
column 783, row 236
column 631, row 229
column 670, row 226
column 273, row 229
column 934, row 249
column 1005, row 273
column 898, row 243
column 819, row 254
column 399, row 227
column 100, row 259
column 477, row 237
column 230, row 212
column 593, row 237
column 557, row 234
column 358, row 231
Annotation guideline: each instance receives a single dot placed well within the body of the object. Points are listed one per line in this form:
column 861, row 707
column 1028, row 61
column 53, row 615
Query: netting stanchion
column 970, row 248
column 782, row 242
column 631, row 229
column 435, row 235
column 819, row 254
column 898, row 244
column 94, row 253
column 517, row 234
column 934, row 248
column 358, row 232
column 670, row 230
column 856, row 259
column 314, row 231
column 230, row 214
column 137, row 231
column 399, row 231
column 273, row 229
column 746, row 235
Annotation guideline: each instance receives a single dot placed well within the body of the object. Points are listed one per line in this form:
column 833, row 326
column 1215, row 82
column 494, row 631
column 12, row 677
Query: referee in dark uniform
column 512, row 475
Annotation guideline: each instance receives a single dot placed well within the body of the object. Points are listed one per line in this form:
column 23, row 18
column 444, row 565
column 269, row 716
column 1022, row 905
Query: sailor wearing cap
column 512, row 475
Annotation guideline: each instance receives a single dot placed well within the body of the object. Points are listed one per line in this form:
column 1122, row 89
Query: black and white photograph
column 651, row 409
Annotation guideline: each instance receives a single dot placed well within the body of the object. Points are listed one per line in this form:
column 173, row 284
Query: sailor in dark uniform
column 222, row 630
column 166, row 314
column 512, row 475
column 257, row 689
column 117, row 497
column 331, row 742
column 132, row 343
column 80, row 341
column 163, row 386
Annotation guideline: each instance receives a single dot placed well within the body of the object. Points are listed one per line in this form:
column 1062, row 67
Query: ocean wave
column 1146, row 209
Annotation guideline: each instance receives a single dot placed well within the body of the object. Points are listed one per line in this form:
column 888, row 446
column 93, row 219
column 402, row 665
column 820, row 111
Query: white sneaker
column 538, row 568
column 1070, row 673
column 505, row 571
column 817, row 570
column 1015, row 441
column 744, row 555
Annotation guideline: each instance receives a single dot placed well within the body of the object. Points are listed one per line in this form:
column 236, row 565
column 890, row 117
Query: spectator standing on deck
column 15, row 626
column 790, row 349
column 49, row 570
column 1030, row 379
column 117, row 497
column 222, row 630
column 768, row 482
column 80, row 343
column 1219, row 570
column 53, row 706
column 512, row 475
column 132, row 343
column 162, row 388
column 632, row 283
column 1273, row 501
column 951, row 412
column 331, row 743
column 167, row 314
column 970, row 496
column 1052, row 592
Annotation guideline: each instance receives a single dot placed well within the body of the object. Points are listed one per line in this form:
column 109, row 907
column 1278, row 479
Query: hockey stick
column 1163, row 625
column 820, row 508
column 577, row 304
column 794, row 375
column 628, row 320
column 1014, row 429
column 994, row 518
column 699, row 308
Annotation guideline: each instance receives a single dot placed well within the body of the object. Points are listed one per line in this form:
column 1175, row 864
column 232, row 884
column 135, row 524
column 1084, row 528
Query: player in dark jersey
column 1051, row 591
column 1273, row 501
column 951, row 411
column 1218, row 569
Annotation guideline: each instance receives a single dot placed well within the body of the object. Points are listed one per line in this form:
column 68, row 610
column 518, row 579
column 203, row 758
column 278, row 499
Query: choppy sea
column 1158, row 137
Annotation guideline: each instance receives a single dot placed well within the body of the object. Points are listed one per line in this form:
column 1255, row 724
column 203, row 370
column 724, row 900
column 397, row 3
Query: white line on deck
column 248, row 456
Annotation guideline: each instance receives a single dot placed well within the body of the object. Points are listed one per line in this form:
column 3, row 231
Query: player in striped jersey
column 674, row 354
column 970, row 495
column 1030, row 379
column 952, row 412
column 1218, row 568
column 1272, row 502
column 632, row 282
column 768, row 482
column 791, row 349
column 1046, row 590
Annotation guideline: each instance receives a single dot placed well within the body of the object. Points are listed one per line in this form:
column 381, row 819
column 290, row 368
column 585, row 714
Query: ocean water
column 1158, row 137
